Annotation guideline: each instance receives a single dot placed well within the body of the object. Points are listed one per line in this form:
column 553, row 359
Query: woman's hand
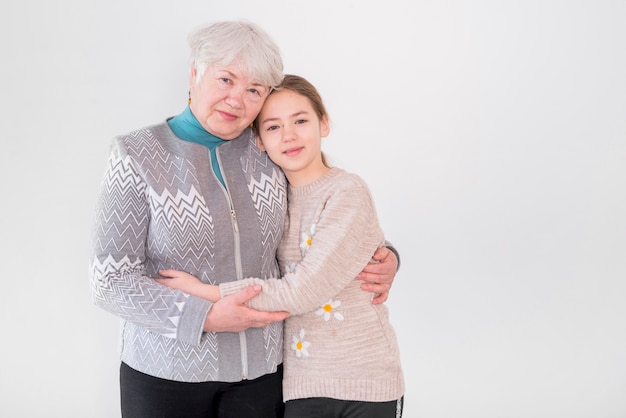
column 228, row 314
column 232, row 314
column 379, row 276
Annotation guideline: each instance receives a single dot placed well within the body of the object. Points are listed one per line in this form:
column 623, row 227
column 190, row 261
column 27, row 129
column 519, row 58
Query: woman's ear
column 192, row 74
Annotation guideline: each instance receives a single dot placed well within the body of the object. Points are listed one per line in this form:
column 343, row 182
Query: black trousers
column 145, row 396
column 335, row 408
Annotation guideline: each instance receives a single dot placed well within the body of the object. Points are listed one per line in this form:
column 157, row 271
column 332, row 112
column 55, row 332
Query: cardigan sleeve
column 119, row 281
column 394, row 250
column 346, row 235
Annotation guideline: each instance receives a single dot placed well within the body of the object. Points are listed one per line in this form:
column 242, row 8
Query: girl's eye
column 272, row 128
column 300, row 121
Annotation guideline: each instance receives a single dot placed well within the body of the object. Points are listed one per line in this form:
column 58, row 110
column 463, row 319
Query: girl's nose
column 288, row 133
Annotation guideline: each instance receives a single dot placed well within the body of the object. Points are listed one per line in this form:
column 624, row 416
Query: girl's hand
column 183, row 281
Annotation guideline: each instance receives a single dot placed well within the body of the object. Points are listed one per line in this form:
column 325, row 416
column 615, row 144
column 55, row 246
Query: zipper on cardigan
column 234, row 219
column 243, row 342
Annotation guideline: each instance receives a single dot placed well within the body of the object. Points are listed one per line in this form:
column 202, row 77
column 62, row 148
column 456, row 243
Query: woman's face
column 225, row 100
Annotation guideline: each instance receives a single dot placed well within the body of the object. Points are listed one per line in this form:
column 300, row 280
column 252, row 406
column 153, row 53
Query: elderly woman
column 194, row 193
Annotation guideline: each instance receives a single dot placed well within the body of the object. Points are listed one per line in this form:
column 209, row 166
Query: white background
column 492, row 135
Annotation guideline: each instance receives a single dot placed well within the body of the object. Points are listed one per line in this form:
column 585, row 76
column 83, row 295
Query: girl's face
column 225, row 100
column 291, row 133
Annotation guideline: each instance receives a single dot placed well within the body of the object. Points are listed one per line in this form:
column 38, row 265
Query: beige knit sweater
column 337, row 343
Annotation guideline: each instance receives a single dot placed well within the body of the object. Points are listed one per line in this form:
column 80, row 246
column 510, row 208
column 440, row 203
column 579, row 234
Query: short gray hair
column 222, row 43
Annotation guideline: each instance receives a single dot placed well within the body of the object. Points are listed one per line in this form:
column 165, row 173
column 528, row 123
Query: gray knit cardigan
column 161, row 206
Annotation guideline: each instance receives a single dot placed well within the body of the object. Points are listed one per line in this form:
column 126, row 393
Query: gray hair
column 222, row 43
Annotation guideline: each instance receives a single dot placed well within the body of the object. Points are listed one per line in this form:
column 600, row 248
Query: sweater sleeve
column 119, row 282
column 346, row 235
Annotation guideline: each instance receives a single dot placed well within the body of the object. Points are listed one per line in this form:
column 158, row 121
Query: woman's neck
column 187, row 127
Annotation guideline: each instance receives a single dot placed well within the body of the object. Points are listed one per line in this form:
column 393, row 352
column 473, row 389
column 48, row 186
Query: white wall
column 492, row 134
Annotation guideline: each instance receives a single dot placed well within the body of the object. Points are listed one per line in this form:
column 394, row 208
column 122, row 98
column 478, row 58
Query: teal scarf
column 186, row 127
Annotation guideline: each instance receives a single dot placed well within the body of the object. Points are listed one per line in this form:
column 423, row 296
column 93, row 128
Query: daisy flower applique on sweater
column 306, row 239
column 300, row 345
column 329, row 310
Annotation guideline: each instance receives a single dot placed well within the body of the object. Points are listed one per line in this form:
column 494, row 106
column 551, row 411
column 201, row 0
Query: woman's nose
column 234, row 98
column 233, row 102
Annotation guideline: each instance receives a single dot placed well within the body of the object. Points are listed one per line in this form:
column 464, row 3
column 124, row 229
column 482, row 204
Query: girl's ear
column 259, row 143
column 324, row 126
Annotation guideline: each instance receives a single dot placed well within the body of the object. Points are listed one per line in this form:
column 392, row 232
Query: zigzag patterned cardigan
column 161, row 206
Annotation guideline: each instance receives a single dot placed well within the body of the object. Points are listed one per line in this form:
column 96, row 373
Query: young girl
column 341, row 356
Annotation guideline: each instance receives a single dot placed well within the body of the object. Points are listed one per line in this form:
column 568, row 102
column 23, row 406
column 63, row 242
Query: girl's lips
column 292, row 151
